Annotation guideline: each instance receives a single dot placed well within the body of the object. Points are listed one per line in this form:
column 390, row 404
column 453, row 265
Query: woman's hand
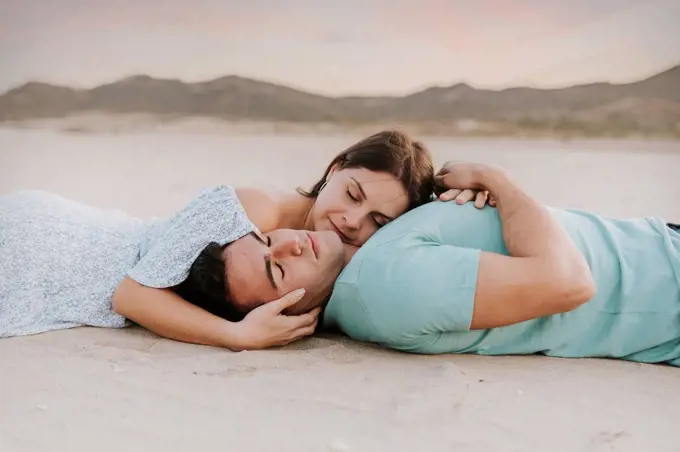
column 266, row 326
column 462, row 182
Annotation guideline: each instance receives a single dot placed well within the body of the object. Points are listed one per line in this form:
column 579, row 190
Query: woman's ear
column 334, row 168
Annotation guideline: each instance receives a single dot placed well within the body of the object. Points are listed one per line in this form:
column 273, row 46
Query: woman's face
column 356, row 202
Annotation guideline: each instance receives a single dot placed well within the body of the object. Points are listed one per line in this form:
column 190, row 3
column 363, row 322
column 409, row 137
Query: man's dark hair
column 206, row 286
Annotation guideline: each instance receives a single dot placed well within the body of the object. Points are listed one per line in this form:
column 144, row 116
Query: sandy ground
column 89, row 389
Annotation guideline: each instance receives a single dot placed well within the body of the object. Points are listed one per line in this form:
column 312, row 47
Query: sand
column 92, row 389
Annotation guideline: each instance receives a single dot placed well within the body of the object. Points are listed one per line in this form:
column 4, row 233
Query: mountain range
column 649, row 107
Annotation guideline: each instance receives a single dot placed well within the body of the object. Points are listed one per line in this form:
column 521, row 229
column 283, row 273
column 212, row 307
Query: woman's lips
column 339, row 232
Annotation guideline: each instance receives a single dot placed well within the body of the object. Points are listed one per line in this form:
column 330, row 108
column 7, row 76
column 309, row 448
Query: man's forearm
column 529, row 230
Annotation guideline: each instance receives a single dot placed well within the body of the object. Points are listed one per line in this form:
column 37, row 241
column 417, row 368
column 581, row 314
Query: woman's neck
column 296, row 212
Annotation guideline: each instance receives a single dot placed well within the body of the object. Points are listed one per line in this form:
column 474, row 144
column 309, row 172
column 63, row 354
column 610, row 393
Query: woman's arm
column 262, row 208
column 169, row 315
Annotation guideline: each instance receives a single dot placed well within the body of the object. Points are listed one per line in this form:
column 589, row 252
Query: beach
column 110, row 390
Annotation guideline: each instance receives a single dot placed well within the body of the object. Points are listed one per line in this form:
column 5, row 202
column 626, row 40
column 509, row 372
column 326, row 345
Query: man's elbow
column 577, row 290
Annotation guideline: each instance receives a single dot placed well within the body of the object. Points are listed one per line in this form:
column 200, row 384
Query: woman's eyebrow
column 361, row 188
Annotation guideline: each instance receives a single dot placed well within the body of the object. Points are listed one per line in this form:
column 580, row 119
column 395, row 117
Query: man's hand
column 481, row 197
column 464, row 181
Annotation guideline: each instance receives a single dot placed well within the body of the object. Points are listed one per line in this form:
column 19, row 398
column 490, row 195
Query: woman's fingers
column 286, row 301
column 307, row 319
column 292, row 323
column 306, row 331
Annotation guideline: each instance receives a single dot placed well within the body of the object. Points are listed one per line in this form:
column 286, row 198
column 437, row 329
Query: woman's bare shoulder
column 262, row 207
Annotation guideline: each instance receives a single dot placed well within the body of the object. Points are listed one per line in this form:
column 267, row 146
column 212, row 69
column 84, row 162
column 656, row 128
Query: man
column 259, row 268
column 263, row 267
column 519, row 279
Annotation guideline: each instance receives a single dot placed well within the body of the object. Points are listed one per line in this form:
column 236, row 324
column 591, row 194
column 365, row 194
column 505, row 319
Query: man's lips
column 314, row 243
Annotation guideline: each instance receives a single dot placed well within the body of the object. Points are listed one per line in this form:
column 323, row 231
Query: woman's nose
column 353, row 220
column 286, row 248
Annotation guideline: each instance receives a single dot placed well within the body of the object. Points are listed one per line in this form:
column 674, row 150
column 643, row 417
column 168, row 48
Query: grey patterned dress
column 61, row 261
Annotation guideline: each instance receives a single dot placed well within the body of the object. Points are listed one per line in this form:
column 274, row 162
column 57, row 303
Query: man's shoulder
column 361, row 304
column 369, row 272
column 347, row 312
column 415, row 223
column 404, row 232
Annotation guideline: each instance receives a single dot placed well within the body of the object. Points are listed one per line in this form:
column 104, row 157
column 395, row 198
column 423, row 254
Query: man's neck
column 350, row 251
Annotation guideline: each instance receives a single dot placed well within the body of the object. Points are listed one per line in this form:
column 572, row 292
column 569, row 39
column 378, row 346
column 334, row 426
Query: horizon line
column 423, row 87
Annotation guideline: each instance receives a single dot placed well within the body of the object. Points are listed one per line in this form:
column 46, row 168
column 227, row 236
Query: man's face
column 264, row 267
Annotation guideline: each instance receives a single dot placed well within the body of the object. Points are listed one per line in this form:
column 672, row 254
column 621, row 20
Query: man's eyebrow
column 363, row 193
column 258, row 238
column 268, row 269
column 267, row 262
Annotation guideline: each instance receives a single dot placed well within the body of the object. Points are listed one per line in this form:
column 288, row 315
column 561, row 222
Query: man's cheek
column 349, row 250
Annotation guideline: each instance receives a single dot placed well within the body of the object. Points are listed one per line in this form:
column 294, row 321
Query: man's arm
column 545, row 273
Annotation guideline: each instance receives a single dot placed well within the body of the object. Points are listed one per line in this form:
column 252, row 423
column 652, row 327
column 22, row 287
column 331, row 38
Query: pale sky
column 339, row 47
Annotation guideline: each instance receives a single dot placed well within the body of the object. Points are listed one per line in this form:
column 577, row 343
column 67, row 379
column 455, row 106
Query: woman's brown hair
column 393, row 152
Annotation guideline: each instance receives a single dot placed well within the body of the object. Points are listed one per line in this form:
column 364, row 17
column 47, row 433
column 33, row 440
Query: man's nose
column 286, row 248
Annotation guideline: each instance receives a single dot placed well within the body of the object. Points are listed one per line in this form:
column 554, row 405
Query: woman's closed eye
column 351, row 196
column 379, row 221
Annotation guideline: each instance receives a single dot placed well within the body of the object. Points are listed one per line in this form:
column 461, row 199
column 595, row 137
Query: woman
column 364, row 187
column 66, row 259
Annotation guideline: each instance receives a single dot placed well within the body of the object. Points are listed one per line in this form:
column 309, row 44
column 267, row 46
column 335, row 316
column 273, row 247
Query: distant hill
column 648, row 107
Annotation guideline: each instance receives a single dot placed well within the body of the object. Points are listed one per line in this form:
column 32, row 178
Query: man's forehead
column 246, row 274
column 257, row 235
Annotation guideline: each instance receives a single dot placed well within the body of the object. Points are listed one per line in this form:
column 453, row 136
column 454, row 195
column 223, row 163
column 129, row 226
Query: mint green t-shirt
column 412, row 288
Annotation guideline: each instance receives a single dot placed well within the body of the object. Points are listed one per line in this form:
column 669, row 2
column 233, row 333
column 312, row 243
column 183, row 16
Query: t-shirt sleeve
column 418, row 293
column 215, row 215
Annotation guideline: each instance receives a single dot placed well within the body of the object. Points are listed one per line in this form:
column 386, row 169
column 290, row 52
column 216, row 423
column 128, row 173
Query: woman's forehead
column 384, row 191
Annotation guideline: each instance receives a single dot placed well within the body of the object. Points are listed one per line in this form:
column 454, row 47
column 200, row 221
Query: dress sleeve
column 215, row 215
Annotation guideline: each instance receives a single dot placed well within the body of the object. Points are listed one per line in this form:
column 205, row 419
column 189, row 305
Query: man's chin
column 306, row 305
column 348, row 251
column 330, row 239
